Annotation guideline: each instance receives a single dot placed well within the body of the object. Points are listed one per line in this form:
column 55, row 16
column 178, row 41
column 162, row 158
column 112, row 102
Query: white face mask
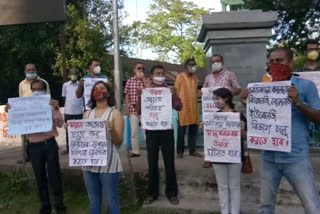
column 36, row 93
column 159, row 80
column 193, row 69
column 217, row 66
column 97, row 70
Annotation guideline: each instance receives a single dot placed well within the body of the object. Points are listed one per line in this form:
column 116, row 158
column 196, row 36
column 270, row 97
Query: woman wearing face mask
column 105, row 179
column 43, row 151
column 163, row 139
column 228, row 174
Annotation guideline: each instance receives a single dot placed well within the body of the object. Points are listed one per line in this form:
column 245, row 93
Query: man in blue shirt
column 295, row 166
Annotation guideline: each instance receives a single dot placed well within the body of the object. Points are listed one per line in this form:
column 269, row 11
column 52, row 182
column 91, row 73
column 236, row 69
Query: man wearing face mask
column 187, row 87
column 295, row 165
column 44, row 156
column 312, row 52
column 163, row 139
column 138, row 81
column 221, row 77
column 25, row 91
column 25, row 85
column 94, row 72
column 73, row 106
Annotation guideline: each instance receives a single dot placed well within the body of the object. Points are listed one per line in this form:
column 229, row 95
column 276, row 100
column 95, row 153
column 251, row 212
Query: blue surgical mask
column 31, row 76
column 36, row 93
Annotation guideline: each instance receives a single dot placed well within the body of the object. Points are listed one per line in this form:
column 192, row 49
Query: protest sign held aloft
column 29, row 115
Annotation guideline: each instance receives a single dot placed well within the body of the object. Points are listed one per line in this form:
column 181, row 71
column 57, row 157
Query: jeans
column 228, row 178
column 165, row 140
column 192, row 138
column 45, row 163
column 106, row 182
column 134, row 124
column 300, row 176
column 71, row 117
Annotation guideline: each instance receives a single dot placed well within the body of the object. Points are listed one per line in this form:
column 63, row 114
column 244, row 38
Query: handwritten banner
column 269, row 116
column 313, row 76
column 156, row 109
column 88, row 85
column 5, row 138
column 208, row 105
column 30, row 115
column 222, row 137
column 87, row 142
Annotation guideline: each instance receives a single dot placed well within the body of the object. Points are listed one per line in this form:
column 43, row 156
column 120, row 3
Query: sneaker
column 180, row 155
column 149, row 200
column 173, row 200
column 196, row 154
column 206, row 164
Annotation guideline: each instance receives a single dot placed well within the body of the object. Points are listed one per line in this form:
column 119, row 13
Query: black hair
column 156, row 67
column 91, row 60
column 44, row 85
column 218, row 55
column 286, row 50
column 188, row 61
column 137, row 63
column 110, row 98
column 225, row 93
column 31, row 63
column 310, row 42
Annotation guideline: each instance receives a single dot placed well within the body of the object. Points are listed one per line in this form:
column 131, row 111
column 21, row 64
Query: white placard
column 88, row 85
column 222, row 137
column 156, row 109
column 269, row 116
column 87, row 142
column 313, row 76
column 29, row 115
column 208, row 105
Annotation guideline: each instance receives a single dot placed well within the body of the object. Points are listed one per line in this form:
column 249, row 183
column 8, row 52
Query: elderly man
column 138, row 81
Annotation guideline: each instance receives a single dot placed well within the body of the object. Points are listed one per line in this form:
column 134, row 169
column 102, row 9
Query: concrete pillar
column 241, row 38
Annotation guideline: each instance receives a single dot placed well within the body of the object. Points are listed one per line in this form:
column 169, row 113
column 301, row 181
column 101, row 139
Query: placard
column 208, row 105
column 156, row 109
column 87, row 142
column 269, row 116
column 313, row 76
column 222, row 137
column 29, row 115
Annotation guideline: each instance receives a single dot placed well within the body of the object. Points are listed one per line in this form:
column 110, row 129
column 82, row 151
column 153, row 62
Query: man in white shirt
column 73, row 106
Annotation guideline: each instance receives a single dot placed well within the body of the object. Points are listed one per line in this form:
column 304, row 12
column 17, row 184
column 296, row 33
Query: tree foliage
column 171, row 29
column 88, row 34
column 297, row 19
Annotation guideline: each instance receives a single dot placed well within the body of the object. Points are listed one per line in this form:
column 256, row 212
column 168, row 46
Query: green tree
column 171, row 29
column 297, row 19
column 88, row 35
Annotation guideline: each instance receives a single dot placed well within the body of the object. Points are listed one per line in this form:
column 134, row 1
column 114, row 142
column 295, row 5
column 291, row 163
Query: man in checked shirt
column 138, row 81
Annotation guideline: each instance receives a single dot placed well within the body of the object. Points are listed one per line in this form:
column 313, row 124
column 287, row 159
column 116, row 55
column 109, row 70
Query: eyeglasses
column 140, row 68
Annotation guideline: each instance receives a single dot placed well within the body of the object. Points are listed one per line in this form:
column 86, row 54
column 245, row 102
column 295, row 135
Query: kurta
column 187, row 87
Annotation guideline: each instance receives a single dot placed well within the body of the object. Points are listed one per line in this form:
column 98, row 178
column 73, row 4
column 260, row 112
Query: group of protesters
column 42, row 149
